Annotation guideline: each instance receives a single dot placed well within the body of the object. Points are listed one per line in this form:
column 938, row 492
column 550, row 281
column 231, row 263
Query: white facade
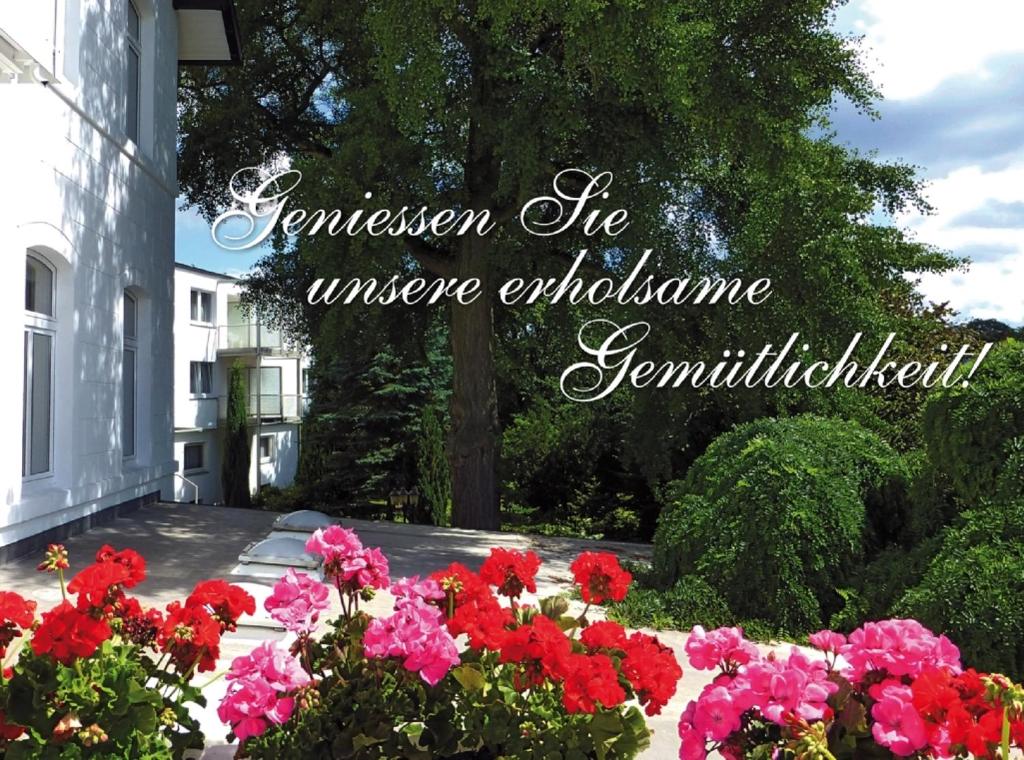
column 211, row 335
column 87, row 143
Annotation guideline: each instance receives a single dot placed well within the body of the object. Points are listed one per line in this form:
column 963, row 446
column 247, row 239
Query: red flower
column 604, row 635
column 472, row 608
column 539, row 647
column 224, row 601
column 138, row 626
column 190, row 635
column 589, row 680
column 652, row 670
column 16, row 613
column 600, row 577
column 127, row 558
column 67, row 634
column 99, row 586
column 9, row 731
column 510, row 571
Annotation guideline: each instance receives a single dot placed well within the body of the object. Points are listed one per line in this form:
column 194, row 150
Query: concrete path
column 184, row 544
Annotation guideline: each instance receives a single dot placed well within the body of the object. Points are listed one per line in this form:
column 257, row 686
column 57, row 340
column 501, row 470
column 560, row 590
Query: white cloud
column 913, row 45
column 990, row 288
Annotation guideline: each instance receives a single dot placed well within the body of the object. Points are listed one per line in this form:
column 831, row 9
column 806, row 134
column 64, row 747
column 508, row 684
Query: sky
column 952, row 79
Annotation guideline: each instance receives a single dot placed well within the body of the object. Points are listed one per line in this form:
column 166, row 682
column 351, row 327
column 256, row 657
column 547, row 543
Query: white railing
column 195, row 488
column 249, row 335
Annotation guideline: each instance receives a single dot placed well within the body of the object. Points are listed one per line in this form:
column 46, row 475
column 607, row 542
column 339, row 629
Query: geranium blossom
column 590, row 680
column 367, row 568
column 652, row 671
column 67, row 633
column 191, row 635
column 16, row 614
column 416, row 634
column 335, row 544
column 721, row 647
column 225, row 602
column 297, row 601
column 258, row 694
column 510, row 571
column 600, row 577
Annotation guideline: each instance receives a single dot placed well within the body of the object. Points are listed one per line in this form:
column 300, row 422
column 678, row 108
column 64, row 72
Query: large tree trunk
column 474, row 433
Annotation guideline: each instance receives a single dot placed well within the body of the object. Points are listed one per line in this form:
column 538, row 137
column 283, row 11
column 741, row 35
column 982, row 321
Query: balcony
column 209, row 412
column 250, row 338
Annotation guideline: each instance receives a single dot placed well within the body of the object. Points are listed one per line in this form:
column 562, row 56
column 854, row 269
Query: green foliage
column 434, row 478
column 431, row 103
column 968, row 431
column 691, row 601
column 973, row 588
column 362, row 433
column 234, row 475
column 931, row 502
column 777, row 514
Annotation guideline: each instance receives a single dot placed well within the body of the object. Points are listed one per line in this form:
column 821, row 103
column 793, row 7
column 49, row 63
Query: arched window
column 130, row 331
column 40, row 335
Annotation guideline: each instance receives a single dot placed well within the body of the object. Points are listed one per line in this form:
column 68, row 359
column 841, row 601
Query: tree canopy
column 712, row 117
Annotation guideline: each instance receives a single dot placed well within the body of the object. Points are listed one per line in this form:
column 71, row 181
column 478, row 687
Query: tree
column 434, row 480
column 704, row 113
column 234, row 476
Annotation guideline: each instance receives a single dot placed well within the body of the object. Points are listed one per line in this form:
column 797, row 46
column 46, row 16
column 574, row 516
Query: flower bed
column 102, row 677
column 462, row 668
column 892, row 688
column 528, row 681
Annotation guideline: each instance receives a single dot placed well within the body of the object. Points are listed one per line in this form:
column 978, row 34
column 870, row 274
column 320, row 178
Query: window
column 38, row 286
column 129, row 331
column 133, row 51
column 202, row 306
column 266, row 448
column 200, row 380
column 38, row 413
column 37, row 390
column 269, row 393
column 193, row 457
column 306, row 389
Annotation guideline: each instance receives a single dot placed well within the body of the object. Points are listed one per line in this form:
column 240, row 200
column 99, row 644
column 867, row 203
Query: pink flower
column 413, row 588
column 716, row 715
column 272, row 663
column 297, row 601
column 827, row 641
column 693, row 746
column 722, row 647
column 797, row 686
column 417, row 634
column 257, row 694
column 899, row 648
column 898, row 726
column 336, row 545
column 368, row 567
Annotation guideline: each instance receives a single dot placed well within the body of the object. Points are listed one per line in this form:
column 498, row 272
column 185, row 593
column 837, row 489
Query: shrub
column 234, row 476
column 967, row 431
column 776, row 515
column 434, row 475
column 973, row 588
column 691, row 601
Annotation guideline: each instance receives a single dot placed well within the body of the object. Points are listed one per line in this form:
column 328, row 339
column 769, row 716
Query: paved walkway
column 184, row 544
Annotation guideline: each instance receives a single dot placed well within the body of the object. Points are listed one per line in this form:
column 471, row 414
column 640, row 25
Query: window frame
column 195, row 307
column 42, row 315
column 27, row 420
column 129, row 345
column 185, row 469
column 200, row 393
column 133, row 45
column 271, row 448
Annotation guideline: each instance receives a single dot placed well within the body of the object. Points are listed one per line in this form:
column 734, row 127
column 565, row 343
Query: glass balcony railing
column 248, row 336
column 208, row 412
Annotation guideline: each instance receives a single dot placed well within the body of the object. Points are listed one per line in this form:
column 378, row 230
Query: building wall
column 199, row 418
column 100, row 210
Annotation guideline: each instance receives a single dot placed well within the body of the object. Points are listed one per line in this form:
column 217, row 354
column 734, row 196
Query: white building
column 211, row 335
column 87, row 145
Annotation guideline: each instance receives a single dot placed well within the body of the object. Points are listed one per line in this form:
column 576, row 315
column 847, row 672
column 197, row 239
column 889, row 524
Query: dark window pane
column 38, row 287
column 36, row 425
column 128, row 405
column 131, row 127
column 193, row 456
column 130, row 317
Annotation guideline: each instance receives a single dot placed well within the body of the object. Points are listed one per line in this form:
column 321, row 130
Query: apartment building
column 212, row 334
column 88, row 94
